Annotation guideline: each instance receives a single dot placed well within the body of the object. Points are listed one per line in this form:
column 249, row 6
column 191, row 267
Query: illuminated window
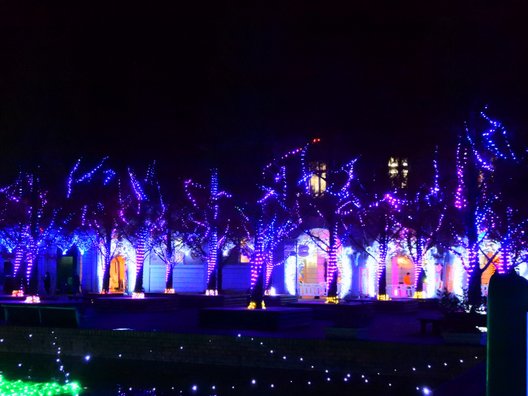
column 318, row 178
column 393, row 167
column 398, row 171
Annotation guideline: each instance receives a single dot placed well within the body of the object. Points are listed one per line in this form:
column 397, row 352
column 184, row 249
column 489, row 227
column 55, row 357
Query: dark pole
column 506, row 370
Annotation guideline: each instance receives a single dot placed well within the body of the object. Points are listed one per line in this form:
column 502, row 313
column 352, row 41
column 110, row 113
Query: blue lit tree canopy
column 481, row 217
column 143, row 215
column 214, row 221
column 97, row 207
column 28, row 226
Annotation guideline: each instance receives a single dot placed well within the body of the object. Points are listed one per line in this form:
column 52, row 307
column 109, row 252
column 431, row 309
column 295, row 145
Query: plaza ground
column 374, row 335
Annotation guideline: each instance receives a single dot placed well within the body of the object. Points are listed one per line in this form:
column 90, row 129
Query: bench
column 35, row 315
column 435, row 321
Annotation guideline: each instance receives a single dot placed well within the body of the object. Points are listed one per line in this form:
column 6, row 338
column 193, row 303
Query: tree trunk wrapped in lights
column 32, row 280
column 107, row 260
column 140, row 261
column 212, row 254
column 18, row 277
column 168, row 242
column 332, row 272
column 257, row 294
column 382, row 285
column 169, row 263
column 257, row 275
column 381, row 272
column 212, row 262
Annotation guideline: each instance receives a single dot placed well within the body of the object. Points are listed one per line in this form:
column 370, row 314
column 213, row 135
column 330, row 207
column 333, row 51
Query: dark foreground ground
column 386, row 345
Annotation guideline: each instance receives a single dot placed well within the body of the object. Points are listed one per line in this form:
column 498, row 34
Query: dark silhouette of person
column 257, row 294
column 47, row 282
column 76, row 284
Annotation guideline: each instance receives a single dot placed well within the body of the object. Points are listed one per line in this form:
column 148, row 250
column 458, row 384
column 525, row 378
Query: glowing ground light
column 18, row 387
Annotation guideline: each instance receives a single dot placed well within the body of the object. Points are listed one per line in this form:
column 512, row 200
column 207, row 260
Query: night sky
column 236, row 83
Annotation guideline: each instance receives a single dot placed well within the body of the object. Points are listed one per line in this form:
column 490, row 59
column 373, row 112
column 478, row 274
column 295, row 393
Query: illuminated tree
column 512, row 234
column 375, row 228
column 168, row 241
column 423, row 216
column 481, row 152
column 332, row 206
column 275, row 217
column 209, row 225
column 28, row 227
column 11, row 242
column 97, row 209
column 142, row 216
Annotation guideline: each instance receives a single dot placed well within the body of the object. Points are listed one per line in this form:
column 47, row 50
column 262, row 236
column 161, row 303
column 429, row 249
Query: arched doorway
column 310, row 259
column 117, row 275
column 488, row 272
column 68, row 273
column 311, row 272
column 122, row 267
column 400, row 266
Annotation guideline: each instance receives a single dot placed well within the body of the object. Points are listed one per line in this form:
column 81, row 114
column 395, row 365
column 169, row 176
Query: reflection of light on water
column 122, row 329
column 19, row 387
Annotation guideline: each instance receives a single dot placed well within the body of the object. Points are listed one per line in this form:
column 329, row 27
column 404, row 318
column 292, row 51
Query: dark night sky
column 190, row 84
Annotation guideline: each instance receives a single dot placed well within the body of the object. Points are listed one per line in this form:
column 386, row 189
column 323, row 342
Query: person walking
column 47, row 282
column 408, row 284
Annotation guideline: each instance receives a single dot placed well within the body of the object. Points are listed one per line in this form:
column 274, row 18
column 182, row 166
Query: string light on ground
column 370, row 379
column 19, row 387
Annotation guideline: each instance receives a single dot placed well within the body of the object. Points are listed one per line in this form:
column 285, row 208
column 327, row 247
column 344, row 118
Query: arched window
column 318, row 179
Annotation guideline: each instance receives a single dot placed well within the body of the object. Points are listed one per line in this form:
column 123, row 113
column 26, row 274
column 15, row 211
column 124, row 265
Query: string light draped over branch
column 97, row 209
column 211, row 218
column 482, row 152
column 331, row 194
column 29, row 224
column 143, row 215
column 277, row 218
